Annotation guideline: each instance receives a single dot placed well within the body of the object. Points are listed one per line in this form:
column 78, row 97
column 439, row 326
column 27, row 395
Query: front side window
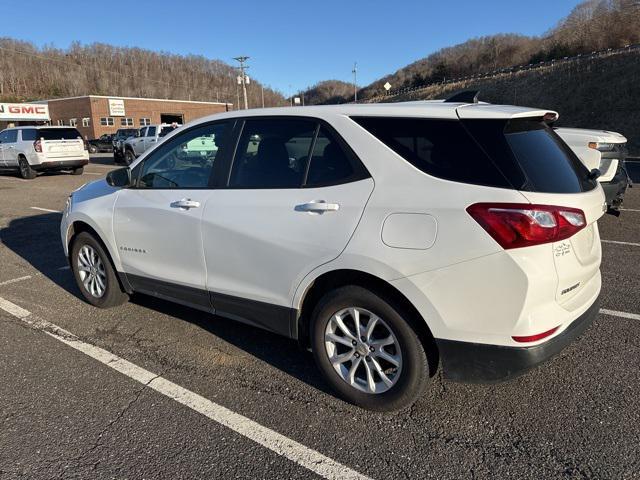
column 12, row 136
column 272, row 153
column 185, row 161
column 151, row 132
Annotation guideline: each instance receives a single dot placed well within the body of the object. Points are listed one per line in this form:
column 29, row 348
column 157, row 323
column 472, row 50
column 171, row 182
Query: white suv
column 30, row 150
column 606, row 151
column 387, row 238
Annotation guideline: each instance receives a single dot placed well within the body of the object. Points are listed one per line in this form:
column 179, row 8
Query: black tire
column 414, row 374
column 93, row 149
column 129, row 157
column 78, row 171
column 25, row 169
column 113, row 294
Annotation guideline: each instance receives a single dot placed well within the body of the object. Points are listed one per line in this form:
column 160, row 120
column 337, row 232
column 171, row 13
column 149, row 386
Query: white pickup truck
column 30, row 150
column 605, row 151
column 147, row 137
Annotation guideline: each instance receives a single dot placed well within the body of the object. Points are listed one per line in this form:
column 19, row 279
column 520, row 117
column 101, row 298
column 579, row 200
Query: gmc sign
column 23, row 111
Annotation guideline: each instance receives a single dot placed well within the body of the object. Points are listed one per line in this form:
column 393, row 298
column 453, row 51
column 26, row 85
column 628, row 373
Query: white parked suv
column 390, row 239
column 30, row 150
column 146, row 138
column 606, row 151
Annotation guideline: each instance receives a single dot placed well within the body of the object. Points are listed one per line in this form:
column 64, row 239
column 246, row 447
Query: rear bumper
column 60, row 165
column 483, row 363
column 615, row 189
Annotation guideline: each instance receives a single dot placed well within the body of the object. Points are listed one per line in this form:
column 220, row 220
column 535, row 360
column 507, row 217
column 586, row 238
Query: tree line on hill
column 30, row 73
column 591, row 25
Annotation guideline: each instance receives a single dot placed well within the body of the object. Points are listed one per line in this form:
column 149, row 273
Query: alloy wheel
column 91, row 271
column 363, row 350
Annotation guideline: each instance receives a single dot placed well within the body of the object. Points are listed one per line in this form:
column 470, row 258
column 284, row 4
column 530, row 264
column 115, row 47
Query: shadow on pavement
column 36, row 239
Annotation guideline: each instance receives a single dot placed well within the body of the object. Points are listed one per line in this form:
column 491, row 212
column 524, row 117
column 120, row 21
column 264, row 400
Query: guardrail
column 504, row 71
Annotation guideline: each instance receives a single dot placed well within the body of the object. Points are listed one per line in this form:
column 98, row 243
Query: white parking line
column 630, row 210
column 616, row 242
column 615, row 313
column 92, row 173
column 15, row 280
column 294, row 451
column 45, row 209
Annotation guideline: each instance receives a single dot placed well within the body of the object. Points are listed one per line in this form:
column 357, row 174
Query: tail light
column 515, row 225
column 37, row 146
column 536, row 337
column 86, row 147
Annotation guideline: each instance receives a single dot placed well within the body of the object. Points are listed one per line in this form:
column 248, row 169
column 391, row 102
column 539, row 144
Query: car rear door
column 280, row 217
column 10, row 151
column 3, row 139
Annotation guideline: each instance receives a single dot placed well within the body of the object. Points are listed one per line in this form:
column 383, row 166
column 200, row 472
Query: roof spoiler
column 465, row 96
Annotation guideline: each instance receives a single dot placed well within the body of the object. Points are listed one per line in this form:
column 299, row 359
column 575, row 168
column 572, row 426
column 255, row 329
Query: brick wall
column 96, row 108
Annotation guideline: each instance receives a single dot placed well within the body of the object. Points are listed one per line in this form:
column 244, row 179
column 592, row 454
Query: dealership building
column 95, row 115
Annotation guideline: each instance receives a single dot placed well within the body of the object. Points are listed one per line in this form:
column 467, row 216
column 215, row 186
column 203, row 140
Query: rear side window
column 151, row 132
column 330, row 164
column 532, row 155
column 28, row 134
column 441, row 148
column 272, row 153
column 58, row 134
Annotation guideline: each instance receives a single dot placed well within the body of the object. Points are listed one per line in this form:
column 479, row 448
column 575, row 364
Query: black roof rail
column 465, row 96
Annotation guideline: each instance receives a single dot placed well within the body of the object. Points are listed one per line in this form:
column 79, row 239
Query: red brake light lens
column 516, row 225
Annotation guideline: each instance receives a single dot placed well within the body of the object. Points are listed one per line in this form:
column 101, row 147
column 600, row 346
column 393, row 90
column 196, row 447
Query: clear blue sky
column 292, row 44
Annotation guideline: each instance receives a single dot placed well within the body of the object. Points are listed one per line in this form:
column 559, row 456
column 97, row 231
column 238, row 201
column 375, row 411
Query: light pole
column 242, row 78
column 355, row 82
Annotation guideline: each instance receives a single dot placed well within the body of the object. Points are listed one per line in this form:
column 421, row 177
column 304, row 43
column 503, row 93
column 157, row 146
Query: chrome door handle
column 317, row 206
column 185, row 204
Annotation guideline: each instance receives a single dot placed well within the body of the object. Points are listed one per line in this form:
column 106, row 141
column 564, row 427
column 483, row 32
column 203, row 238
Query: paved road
column 67, row 415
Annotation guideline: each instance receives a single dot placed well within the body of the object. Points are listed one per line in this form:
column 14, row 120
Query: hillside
column 588, row 92
column 30, row 73
column 593, row 25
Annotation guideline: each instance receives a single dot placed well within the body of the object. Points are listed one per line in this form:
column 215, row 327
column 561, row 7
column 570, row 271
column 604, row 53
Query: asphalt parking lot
column 69, row 409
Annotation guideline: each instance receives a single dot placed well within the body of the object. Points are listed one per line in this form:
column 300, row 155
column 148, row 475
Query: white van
column 35, row 149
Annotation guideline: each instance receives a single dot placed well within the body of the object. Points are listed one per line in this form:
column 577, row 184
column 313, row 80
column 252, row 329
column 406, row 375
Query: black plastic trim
column 482, row 363
column 60, row 165
column 274, row 318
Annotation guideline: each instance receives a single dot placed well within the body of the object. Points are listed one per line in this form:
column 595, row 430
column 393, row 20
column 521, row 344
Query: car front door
column 279, row 217
column 10, row 152
column 3, row 139
column 150, row 138
column 137, row 143
column 157, row 221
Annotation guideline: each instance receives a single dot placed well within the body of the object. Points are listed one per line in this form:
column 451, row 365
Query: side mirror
column 594, row 174
column 120, row 177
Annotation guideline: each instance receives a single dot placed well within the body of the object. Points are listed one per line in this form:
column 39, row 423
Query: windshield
column 59, row 134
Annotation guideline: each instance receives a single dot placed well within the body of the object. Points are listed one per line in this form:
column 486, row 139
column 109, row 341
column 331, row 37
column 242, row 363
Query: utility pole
column 262, row 86
column 243, row 79
column 355, row 82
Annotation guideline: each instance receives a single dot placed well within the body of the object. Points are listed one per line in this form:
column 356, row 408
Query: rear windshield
column 520, row 154
column 58, row 134
column 166, row 130
column 532, row 155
